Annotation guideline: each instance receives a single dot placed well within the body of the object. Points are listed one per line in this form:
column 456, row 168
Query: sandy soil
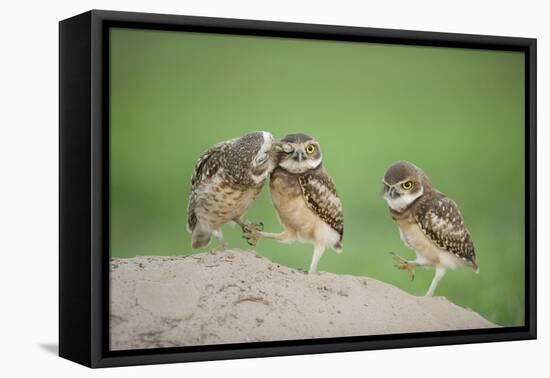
column 238, row 296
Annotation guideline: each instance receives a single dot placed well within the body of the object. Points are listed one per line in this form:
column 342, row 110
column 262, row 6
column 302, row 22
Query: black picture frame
column 84, row 183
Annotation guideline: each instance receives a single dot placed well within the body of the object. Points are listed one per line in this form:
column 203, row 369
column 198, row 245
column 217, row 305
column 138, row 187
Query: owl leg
column 218, row 235
column 439, row 273
column 402, row 264
column 249, row 226
column 253, row 236
column 318, row 250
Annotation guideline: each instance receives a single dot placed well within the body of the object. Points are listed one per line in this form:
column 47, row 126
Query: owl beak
column 298, row 156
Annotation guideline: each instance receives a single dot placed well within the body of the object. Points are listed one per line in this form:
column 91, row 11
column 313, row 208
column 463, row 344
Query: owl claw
column 252, row 226
column 251, row 237
column 402, row 264
column 256, row 226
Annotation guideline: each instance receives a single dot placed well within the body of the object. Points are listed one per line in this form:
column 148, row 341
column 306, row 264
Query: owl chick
column 304, row 197
column 226, row 181
column 429, row 222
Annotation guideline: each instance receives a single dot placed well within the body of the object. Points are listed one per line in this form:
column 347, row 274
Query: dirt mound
column 239, row 296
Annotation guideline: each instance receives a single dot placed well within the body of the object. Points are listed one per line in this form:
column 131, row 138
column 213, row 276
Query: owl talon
column 251, row 237
column 252, row 242
column 255, row 226
column 259, row 226
column 252, row 226
column 402, row 264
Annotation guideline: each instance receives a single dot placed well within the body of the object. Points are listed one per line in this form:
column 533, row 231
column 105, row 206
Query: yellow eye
column 310, row 148
column 407, row 185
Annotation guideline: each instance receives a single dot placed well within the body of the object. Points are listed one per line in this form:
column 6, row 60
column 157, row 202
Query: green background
column 456, row 113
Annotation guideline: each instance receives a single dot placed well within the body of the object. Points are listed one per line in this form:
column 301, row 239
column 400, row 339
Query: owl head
column 298, row 153
column 404, row 183
column 252, row 154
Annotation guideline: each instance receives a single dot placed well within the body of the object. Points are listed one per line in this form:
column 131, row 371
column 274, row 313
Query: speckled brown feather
column 320, row 194
column 231, row 161
column 440, row 220
column 207, row 165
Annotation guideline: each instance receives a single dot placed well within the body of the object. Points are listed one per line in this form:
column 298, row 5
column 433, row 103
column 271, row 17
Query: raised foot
column 252, row 236
column 252, row 226
column 251, row 231
column 402, row 264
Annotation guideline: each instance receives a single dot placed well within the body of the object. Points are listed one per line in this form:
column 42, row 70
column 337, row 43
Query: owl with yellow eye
column 304, row 197
column 429, row 223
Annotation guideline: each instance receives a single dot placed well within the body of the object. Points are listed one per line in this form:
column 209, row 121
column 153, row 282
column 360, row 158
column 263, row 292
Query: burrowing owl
column 304, row 197
column 226, row 181
column 429, row 222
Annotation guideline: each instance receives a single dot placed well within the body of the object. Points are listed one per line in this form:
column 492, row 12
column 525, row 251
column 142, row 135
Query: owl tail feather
column 200, row 238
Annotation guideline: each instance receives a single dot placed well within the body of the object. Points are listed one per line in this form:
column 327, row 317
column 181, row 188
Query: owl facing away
column 304, row 198
column 226, row 180
column 429, row 222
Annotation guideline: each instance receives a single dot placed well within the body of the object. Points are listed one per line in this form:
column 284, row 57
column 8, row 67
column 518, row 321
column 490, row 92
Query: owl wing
column 207, row 165
column 320, row 195
column 441, row 221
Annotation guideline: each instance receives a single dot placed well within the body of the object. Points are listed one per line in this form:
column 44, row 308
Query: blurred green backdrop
column 457, row 113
